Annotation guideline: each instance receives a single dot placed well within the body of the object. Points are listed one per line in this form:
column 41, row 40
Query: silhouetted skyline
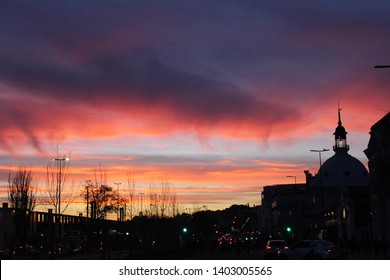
column 221, row 97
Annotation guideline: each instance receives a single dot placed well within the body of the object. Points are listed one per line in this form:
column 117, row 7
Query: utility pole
column 60, row 162
column 87, row 188
column 117, row 202
column 141, row 194
column 322, row 189
column 296, row 203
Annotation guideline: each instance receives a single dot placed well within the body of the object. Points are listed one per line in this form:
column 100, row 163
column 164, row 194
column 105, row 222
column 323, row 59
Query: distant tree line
column 99, row 198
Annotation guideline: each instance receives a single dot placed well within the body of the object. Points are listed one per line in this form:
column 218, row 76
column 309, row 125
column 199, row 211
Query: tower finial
column 339, row 109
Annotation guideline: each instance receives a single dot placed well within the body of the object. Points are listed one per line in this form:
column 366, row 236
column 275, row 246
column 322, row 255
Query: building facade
column 333, row 204
column 378, row 154
column 285, row 211
column 340, row 194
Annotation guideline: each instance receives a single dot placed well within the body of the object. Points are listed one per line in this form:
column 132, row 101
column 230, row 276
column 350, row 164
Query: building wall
column 285, row 206
column 378, row 154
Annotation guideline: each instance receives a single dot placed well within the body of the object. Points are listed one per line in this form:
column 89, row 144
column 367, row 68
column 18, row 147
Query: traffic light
column 288, row 229
column 184, row 230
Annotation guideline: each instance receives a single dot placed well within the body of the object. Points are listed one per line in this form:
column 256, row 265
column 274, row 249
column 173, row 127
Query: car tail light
column 268, row 247
column 285, row 247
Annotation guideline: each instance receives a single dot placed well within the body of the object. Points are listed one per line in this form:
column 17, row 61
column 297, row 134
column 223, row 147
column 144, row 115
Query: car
column 5, row 254
column 310, row 249
column 272, row 248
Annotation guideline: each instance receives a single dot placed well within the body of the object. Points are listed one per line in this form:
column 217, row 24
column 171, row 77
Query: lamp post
column 117, row 201
column 141, row 194
column 87, row 197
column 319, row 153
column 322, row 188
column 60, row 162
column 296, row 202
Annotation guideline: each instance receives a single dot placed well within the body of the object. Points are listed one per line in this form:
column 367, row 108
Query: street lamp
column 319, row 153
column 141, row 194
column 117, row 201
column 322, row 186
column 60, row 162
column 296, row 201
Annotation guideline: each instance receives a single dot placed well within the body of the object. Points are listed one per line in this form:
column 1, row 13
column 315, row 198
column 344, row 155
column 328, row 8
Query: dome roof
column 343, row 169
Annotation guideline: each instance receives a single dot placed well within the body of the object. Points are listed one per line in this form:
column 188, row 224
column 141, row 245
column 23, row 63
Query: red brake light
column 268, row 247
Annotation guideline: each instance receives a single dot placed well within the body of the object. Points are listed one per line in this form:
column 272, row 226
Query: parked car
column 310, row 249
column 272, row 248
column 5, row 254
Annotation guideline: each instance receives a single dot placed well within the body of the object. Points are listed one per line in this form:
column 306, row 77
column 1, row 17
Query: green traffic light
column 185, row 230
column 288, row 229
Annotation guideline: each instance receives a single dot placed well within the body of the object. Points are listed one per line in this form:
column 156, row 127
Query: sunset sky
column 220, row 97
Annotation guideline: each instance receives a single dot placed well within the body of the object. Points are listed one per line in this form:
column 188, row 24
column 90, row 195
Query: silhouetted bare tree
column 163, row 198
column 165, row 195
column 21, row 190
column 22, row 195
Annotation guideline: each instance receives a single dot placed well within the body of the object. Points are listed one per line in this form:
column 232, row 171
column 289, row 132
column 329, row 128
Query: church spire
column 340, row 135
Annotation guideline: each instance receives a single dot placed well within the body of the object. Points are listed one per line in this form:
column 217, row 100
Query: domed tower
column 340, row 193
column 342, row 169
column 340, row 136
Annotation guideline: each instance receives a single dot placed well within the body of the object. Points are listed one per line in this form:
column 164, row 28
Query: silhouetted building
column 285, row 210
column 334, row 204
column 378, row 154
column 340, row 194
